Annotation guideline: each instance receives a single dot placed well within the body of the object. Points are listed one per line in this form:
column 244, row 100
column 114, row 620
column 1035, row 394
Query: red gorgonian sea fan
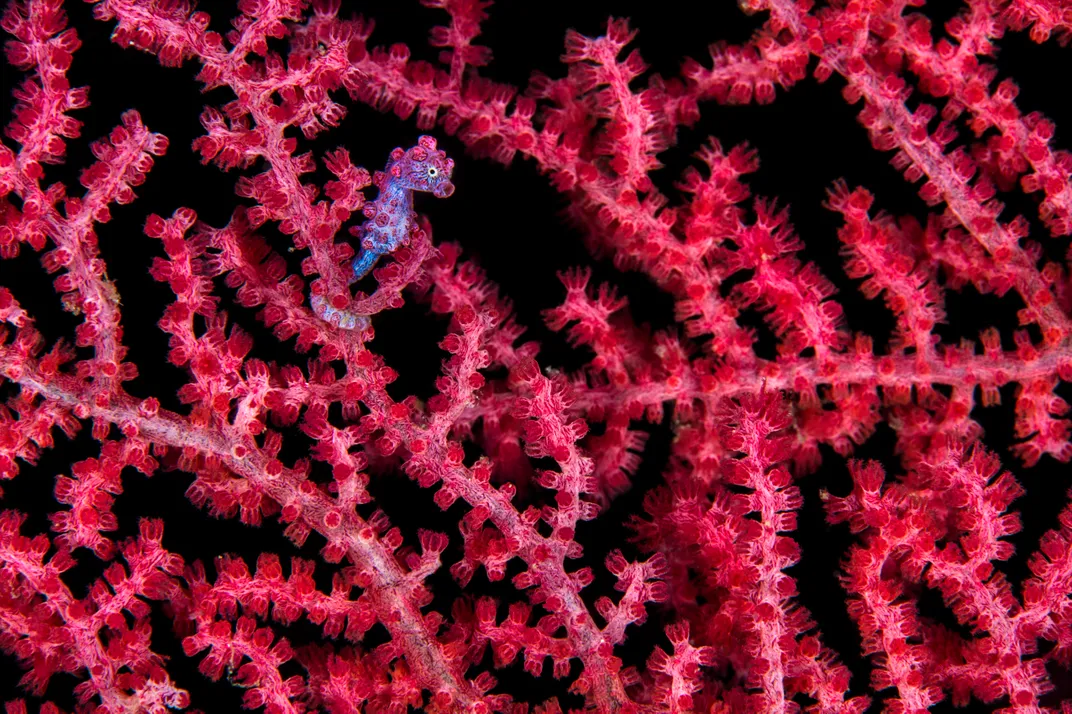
column 648, row 515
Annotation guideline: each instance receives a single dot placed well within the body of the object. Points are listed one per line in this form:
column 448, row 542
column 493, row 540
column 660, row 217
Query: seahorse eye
column 433, row 171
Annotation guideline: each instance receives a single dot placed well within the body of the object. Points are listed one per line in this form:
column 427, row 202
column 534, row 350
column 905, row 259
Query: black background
column 509, row 219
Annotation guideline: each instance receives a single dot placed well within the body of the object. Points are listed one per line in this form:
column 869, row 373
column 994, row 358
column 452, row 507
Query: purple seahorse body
column 391, row 220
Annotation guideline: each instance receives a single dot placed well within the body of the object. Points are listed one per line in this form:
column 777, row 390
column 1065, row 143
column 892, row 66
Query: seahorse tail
column 342, row 319
column 364, row 263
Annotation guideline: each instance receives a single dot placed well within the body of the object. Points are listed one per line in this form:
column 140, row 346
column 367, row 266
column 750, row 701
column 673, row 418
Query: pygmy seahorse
column 391, row 220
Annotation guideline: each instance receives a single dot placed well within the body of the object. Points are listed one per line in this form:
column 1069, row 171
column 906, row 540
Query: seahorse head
column 422, row 168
